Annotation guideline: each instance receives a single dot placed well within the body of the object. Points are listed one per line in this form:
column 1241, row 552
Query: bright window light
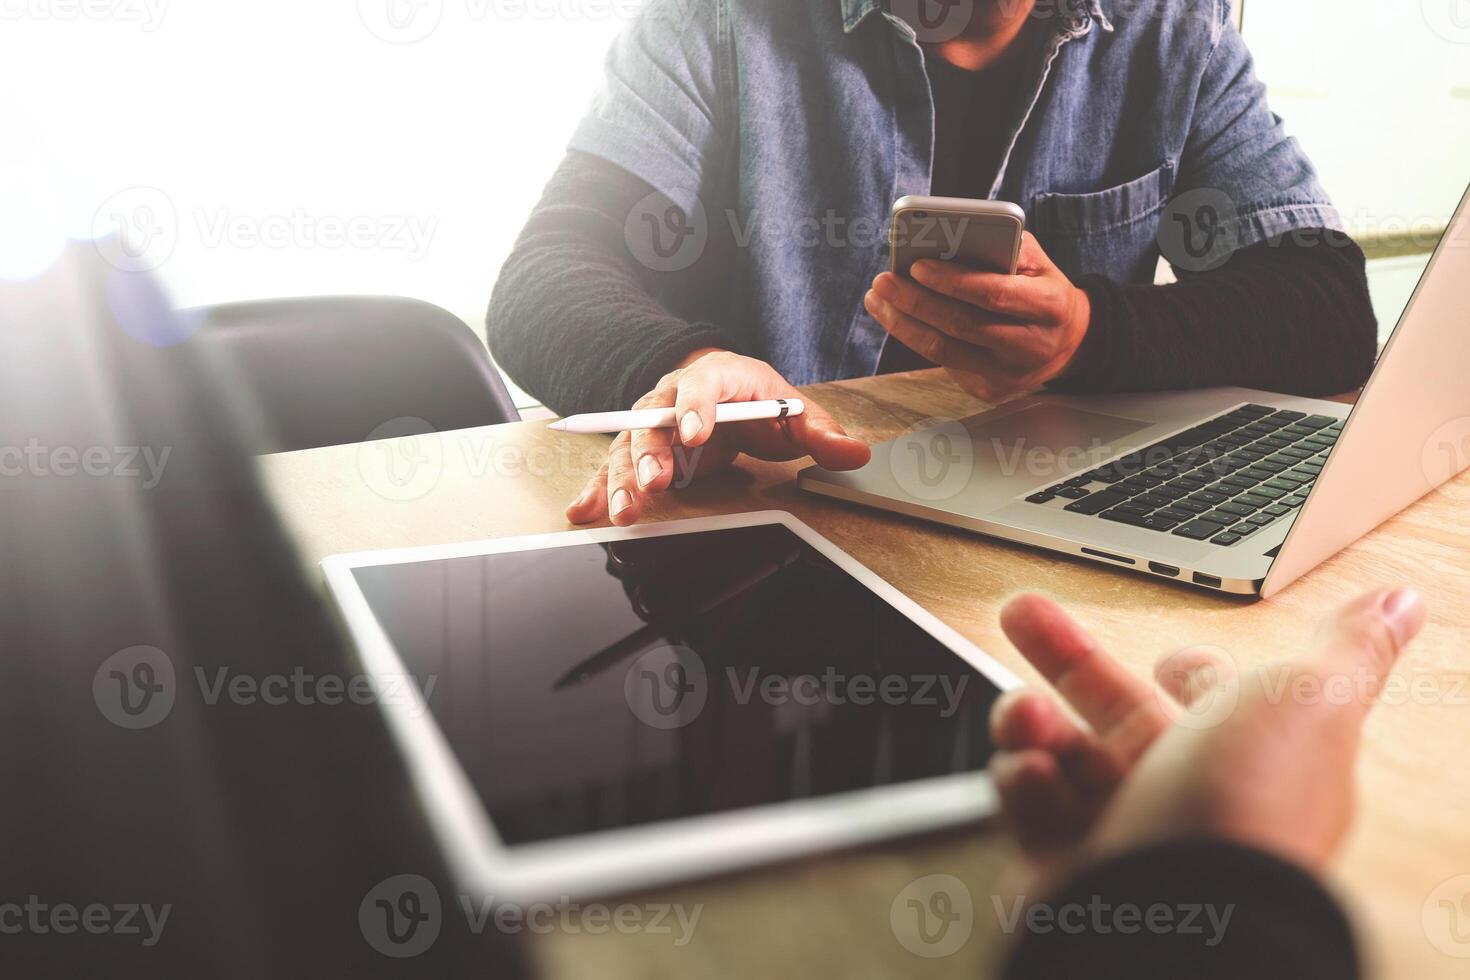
column 282, row 148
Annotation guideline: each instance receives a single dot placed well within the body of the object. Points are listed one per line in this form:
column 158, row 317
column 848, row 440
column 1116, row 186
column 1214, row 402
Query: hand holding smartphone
column 962, row 311
column 984, row 235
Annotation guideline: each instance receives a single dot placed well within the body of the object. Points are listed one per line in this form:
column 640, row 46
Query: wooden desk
column 829, row 916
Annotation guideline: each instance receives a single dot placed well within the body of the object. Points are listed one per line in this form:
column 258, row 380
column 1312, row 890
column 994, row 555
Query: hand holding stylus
column 648, row 461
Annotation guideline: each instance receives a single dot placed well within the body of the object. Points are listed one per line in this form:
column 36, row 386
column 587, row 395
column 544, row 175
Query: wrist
column 1079, row 322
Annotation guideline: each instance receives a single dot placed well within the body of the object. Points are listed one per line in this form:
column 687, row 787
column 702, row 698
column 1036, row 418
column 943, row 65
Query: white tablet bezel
column 613, row 861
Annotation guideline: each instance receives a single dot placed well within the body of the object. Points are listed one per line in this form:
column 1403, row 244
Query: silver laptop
column 1230, row 489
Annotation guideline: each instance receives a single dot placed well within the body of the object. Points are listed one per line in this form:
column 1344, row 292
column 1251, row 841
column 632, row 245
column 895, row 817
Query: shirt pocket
column 1113, row 232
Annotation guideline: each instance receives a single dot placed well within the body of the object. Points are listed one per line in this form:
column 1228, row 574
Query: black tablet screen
column 600, row 686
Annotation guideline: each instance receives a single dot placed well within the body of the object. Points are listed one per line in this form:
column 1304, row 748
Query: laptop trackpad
column 1069, row 438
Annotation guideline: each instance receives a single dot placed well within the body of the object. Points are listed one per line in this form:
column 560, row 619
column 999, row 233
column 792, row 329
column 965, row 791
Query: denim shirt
column 778, row 134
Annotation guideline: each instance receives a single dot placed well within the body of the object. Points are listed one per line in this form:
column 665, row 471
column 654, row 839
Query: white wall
column 1379, row 94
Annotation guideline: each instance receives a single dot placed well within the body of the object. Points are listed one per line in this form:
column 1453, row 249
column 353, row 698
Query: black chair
column 331, row 370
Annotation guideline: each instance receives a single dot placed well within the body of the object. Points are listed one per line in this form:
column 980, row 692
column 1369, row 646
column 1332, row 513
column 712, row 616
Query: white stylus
column 663, row 418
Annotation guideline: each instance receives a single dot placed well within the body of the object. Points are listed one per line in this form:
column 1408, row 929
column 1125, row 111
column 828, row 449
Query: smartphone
column 984, row 235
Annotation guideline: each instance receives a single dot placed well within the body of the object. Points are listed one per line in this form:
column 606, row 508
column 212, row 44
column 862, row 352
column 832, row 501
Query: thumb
column 1365, row 638
column 1033, row 258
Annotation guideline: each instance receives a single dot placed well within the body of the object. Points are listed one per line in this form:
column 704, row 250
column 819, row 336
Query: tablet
column 593, row 711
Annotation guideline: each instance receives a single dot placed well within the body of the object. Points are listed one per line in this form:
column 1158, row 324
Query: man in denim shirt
column 718, row 230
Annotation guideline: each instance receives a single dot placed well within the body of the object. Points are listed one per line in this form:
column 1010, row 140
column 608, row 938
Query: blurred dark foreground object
column 162, row 816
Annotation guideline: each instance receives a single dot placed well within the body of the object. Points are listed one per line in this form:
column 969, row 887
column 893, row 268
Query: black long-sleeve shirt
column 580, row 323
column 1207, row 910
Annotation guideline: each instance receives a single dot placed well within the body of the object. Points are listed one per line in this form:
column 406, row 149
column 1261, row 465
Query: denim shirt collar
column 1088, row 12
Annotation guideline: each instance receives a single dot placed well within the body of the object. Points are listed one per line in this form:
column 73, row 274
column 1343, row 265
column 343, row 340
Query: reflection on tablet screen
column 598, row 686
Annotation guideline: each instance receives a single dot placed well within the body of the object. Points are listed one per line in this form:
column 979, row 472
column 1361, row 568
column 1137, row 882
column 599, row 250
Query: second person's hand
column 1207, row 755
column 649, row 461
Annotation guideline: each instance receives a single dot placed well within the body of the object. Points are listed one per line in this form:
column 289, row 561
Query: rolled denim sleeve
column 1237, row 147
column 660, row 112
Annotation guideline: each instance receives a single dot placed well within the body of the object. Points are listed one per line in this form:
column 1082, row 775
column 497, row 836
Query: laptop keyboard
column 1221, row 481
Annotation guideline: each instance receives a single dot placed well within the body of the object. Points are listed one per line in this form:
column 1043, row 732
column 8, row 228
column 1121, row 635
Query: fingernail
column 883, row 287
column 648, row 470
column 582, row 497
column 690, row 425
column 1399, row 609
column 621, row 501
